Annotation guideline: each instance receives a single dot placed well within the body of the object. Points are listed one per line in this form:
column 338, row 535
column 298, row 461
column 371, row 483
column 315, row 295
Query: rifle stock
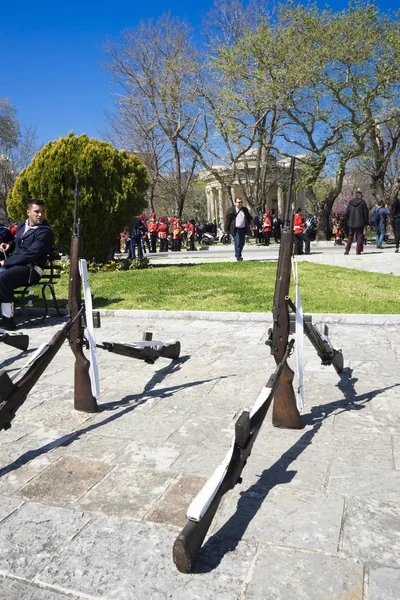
column 13, row 392
column 20, row 341
column 83, row 397
column 202, row 510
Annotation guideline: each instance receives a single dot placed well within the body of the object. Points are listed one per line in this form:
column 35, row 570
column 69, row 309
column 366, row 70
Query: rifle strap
column 94, row 369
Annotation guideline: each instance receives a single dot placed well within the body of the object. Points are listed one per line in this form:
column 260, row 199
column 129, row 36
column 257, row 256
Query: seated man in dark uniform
column 33, row 242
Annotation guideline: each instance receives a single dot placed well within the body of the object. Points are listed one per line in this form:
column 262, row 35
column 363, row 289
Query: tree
column 156, row 67
column 17, row 148
column 341, row 82
column 112, row 185
column 9, row 136
column 240, row 114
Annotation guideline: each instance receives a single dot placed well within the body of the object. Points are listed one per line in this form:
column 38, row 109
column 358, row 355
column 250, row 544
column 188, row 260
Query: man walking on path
column 237, row 223
column 382, row 212
column 357, row 219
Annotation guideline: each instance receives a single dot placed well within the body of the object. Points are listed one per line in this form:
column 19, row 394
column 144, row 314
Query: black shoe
column 346, row 251
column 8, row 323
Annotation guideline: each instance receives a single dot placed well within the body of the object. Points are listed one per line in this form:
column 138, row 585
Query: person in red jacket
column 153, row 232
column 299, row 235
column 267, row 227
column 163, row 235
column 191, row 233
column 176, row 235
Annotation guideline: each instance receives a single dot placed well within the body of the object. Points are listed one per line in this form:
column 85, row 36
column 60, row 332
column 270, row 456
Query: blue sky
column 51, row 53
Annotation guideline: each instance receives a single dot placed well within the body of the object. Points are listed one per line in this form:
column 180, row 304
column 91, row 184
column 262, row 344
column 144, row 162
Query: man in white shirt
column 237, row 223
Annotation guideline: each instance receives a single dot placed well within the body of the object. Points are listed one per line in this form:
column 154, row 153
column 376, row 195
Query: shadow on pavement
column 229, row 535
column 131, row 402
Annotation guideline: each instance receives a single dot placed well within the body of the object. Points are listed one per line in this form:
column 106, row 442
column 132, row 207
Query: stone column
column 220, row 216
column 281, row 201
column 213, row 204
column 210, row 201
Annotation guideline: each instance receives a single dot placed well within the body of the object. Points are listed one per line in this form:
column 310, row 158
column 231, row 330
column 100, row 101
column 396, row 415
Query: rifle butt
column 20, row 342
column 84, row 400
column 189, row 541
column 337, row 362
column 285, row 413
column 171, row 351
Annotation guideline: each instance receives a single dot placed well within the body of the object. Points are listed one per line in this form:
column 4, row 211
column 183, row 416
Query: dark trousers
column 358, row 233
column 14, row 277
column 239, row 238
column 299, row 238
column 396, row 227
column 267, row 238
column 153, row 241
column 136, row 242
column 191, row 243
column 163, row 245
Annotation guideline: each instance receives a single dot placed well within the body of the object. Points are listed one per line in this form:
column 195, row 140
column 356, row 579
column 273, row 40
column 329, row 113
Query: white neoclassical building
column 223, row 185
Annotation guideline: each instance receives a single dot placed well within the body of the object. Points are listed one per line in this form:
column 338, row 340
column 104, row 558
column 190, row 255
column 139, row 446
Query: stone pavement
column 91, row 504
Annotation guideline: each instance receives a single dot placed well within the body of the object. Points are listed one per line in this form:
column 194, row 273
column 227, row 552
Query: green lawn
column 245, row 287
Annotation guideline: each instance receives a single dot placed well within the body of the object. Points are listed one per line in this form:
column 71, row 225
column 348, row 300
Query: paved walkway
column 381, row 261
column 91, row 504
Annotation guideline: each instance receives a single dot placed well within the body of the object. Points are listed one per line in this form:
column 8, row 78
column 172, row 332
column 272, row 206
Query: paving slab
column 384, row 584
column 127, row 492
column 65, row 480
column 371, row 531
column 171, row 508
column 283, row 574
column 34, row 534
column 104, row 562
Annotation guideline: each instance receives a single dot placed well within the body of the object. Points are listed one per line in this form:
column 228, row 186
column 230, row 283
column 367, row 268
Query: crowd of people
column 163, row 234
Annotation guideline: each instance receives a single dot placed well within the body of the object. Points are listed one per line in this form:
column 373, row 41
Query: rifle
column 285, row 412
column 83, row 397
column 16, row 340
column 13, row 392
column 321, row 343
column 203, row 508
column 148, row 351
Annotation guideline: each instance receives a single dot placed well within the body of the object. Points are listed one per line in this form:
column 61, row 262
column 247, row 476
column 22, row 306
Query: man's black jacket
column 357, row 213
column 32, row 247
column 230, row 219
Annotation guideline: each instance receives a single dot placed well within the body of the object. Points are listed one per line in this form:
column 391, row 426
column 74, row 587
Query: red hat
column 268, row 213
column 153, row 215
column 141, row 217
column 162, row 220
column 171, row 219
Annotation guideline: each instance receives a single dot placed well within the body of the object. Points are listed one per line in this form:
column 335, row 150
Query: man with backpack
column 357, row 219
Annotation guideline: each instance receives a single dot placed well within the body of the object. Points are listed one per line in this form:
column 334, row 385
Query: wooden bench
column 51, row 274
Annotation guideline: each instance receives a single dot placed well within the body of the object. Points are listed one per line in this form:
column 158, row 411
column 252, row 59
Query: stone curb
column 362, row 319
